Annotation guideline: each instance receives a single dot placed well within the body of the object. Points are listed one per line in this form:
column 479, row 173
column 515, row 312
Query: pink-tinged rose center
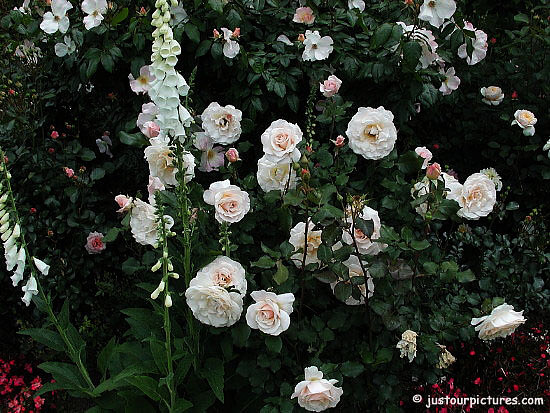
column 360, row 235
column 266, row 312
column 282, row 140
column 224, row 121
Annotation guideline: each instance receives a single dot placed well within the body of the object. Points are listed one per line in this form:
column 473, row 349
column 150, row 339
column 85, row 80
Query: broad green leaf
column 213, row 372
column 281, row 275
column 146, row 384
column 274, row 343
column 49, row 338
column 352, row 368
column 120, row 16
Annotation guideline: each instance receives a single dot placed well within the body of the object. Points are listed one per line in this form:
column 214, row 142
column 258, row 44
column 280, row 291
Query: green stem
column 72, row 352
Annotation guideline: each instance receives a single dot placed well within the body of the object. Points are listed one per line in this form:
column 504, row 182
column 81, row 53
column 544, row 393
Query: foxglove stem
column 224, row 239
column 72, row 352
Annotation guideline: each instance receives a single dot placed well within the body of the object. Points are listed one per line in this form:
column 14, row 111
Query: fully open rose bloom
column 124, row 202
column 316, row 47
column 371, row 132
column 450, row 83
column 222, row 123
column 436, row 11
column 222, row 272
column 57, row 18
column 355, row 270
column 94, row 10
column 330, row 87
column 526, row 121
column 162, row 162
column 492, row 95
column 94, row 243
column 271, row 312
column 502, row 322
column 425, row 154
column 478, row 197
column 316, row 394
column 275, row 174
column 143, row 223
column 365, row 244
column 304, row 15
column 230, row 202
column 313, row 241
column 426, row 40
column 214, row 305
column 480, row 46
column 281, row 138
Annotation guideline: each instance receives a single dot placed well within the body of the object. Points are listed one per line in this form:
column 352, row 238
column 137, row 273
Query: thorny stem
column 302, row 275
column 73, row 353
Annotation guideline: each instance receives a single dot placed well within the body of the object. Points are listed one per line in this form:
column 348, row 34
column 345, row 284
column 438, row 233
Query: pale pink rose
column 94, row 243
column 143, row 82
column 331, row 86
column 151, row 129
column 155, row 184
column 433, row 171
column 69, row 172
column 237, row 32
column 216, row 34
column 124, row 202
column 304, row 15
column 451, row 81
column 339, row 142
column 424, row 153
column 232, row 155
column 212, row 159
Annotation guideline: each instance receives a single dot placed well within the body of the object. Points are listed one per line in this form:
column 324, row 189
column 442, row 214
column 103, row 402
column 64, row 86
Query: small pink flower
column 54, row 134
column 339, row 142
column 155, row 184
column 68, row 171
column 216, row 34
column 433, row 171
column 51, row 151
column 38, row 402
column 94, row 243
column 124, row 202
column 331, row 86
column 301, row 37
column 143, row 82
column 236, row 32
column 424, row 153
column 232, row 155
column 450, row 83
column 304, row 15
column 151, row 129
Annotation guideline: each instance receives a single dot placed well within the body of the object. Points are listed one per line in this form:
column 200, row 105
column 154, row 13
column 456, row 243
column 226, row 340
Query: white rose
column 161, row 161
column 478, row 197
column 502, row 322
column 274, row 174
column 365, row 245
column 525, row 120
column 371, row 133
column 316, row 394
column 436, row 11
column 281, row 138
column 316, row 47
column 492, row 95
column 214, row 305
column 271, row 312
column 143, row 223
column 313, row 241
column 480, row 46
column 355, row 270
column 222, row 272
column 230, row 202
column 222, row 123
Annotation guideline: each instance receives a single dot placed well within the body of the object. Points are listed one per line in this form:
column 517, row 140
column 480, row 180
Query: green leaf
column 465, row 276
column 420, row 245
column 410, row 163
column 324, row 253
column 65, row 374
column 352, row 369
column 105, row 355
column 430, row 267
column 240, row 334
column 133, row 139
column 512, row 206
column 366, row 226
column 193, row 33
column 49, row 338
column 120, row 16
column 521, row 18
column 147, row 385
column 216, row 5
column 281, row 275
column 411, row 55
column 97, row 174
column 274, row 343
column 130, row 266
column 182, row 368
column 382, row 35
column 213, row 372
column 111, row 235
column 87, row 154
column 181, row 405
column 203, row 48
column 107, row 62
column 342, row 291
column 264, row 262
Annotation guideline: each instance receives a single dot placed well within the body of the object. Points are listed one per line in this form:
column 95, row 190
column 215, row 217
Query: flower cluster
column 407, row 345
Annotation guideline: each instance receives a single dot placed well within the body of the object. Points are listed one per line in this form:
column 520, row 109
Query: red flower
column 32, row 211
column 436, row 146
column 54, row 134
column 38, row 402
column 493, row 40
column 514, row 95
column 472, row 353
column 477, row 381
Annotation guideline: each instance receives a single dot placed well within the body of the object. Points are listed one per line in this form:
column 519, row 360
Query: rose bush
column 292, row 190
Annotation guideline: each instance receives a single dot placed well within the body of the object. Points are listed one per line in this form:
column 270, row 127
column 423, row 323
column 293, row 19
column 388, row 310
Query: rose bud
column 51, row 151
column 232, row 155
column 433, row 171
column 301, row 37
column 54, row 135
column 32, row 210
column 236, row 32
column 216, row 34
column 339, row 142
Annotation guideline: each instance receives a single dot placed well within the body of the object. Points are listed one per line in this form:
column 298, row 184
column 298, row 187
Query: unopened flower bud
column 236, row 32
column 339, row 142
column 174, row 275
column 157, row 266
column 168, row 301
column 301, row 37
column 216, row 34
column 433, row 171
column 158, row 290
column 232, row 155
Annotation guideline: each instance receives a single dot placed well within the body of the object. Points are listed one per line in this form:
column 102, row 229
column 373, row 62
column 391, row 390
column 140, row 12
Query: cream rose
column 371, row 133
column 316, row 394
column 274, row 174
column 271, row 312
column 161, row 161
column 478, row 197
column 502, row 322
column 355, row 270
column 280, row 140
column 365, row 244
column 222, row 123
column 222, row 272
column 407, row 345
column 214, row 305
column 230, row 202
column 525, row 120
column 143, row 223
column 492, row 95
column 297, row 239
